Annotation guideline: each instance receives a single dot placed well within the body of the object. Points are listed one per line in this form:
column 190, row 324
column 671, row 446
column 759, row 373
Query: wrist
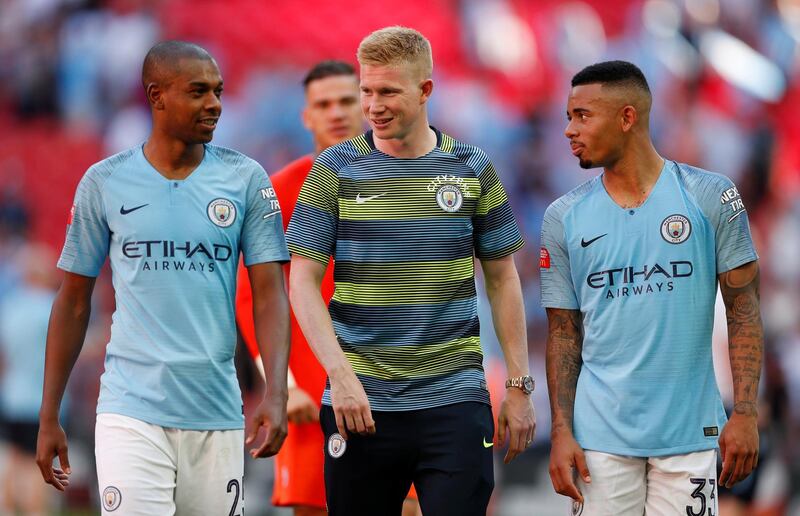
column 48, row 416
column 561, row 431
column 341, row 373
column 745, row 409
column 524, row 384
column 274, row 393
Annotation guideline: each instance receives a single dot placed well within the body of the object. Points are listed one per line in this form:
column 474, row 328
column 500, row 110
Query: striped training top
column 403, row 233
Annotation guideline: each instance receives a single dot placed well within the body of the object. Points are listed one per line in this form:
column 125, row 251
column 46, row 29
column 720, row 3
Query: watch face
column 527, row 384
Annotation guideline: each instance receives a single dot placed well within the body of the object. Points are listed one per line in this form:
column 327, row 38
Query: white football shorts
column 656, row 486
column 145, row 469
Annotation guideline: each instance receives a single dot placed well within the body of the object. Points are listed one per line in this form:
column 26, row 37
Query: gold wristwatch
column 523, row 383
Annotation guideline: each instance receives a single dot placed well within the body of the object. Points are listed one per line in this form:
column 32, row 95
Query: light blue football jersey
column 645, row 280
column 174, row 250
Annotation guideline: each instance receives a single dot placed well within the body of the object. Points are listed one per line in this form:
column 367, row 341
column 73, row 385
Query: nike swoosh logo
column 123, row 211
column 268, row 215
column 587, row 243
column 362, row 200
column 487, row 445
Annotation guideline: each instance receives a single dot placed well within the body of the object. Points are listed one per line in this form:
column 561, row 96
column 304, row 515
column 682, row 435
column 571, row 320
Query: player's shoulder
column 561, row 206
column 238, row 161
column 696, row 177
column 705, row 186
column 471, row 155
column 100, row 172
column 337, row 157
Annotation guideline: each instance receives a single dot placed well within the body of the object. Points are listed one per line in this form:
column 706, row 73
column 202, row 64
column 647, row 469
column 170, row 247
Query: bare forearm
column 315, row 321
column 563, row 363
column 271, row 320
column 66, row 332
column 508, row 315
column 740, row 291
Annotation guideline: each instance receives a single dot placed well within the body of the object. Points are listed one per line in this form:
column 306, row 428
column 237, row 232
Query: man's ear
column 427, row 89
column 155, row 96
column 628, row 117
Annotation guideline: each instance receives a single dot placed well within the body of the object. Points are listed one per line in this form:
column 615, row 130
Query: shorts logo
column 676, row 229
column 336, row 445
column 112, row 498
column 449, row 198
column 221, row 212
column 577, row 508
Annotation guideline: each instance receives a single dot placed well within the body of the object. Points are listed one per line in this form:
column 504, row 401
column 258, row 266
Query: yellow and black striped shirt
column 404, row 234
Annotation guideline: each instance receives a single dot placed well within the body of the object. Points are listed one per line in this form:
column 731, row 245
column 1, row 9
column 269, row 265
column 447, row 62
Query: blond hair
column 396, row 45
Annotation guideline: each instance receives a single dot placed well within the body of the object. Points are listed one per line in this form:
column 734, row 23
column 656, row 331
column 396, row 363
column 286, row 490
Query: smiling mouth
column 209, row 122
column 381, row 121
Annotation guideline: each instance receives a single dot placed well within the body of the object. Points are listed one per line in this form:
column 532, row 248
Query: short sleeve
column 723, row 206
column 557, row 288
column 88, row 235
column 262, row 231
column 496, row 233
column 312, row 229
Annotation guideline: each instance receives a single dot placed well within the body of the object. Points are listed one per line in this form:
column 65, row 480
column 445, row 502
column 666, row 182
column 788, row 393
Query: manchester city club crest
column 676, row 229
column 112, row 498
column 449, row 198
column 222, row 212
column 336, row 445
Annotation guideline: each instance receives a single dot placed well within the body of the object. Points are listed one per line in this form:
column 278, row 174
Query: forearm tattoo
column 564, row 344
column 740, row 291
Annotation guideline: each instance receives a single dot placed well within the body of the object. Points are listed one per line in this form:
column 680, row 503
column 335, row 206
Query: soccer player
column 172, row 215
column 630, row 263
column 402, row 209
column 332, row 114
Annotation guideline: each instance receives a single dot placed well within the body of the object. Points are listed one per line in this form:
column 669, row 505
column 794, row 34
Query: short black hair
column 164, row 56
column 612, row 72
column 329, row 68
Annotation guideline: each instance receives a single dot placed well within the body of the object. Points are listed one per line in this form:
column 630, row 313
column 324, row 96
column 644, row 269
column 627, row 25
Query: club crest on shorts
column 221, row 212
column 112, row 498
column 676, row 229
column 449, row 198
column 336, row 445
column 577, row 508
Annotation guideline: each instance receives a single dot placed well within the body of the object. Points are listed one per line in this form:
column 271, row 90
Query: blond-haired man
column 403, row 209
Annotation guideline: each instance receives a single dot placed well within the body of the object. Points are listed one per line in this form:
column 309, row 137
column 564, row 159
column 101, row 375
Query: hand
column 351, row 406
column 516, row 415
column 738, row 444
column 271, row 414
column 301, row 408
column 51, row 443
column 566, row 455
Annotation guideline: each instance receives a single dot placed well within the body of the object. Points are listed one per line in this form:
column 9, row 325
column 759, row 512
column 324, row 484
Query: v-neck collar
column 195, row 171
column 661, row 175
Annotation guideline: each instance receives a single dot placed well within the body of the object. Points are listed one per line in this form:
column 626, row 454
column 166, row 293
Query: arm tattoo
column 564, row 345
column 740, row 291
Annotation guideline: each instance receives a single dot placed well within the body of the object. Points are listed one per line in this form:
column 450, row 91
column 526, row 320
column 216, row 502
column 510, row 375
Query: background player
column 332, row 114
column 24, row 312
column 402, row 209
column 629, row 266
column 173, row 216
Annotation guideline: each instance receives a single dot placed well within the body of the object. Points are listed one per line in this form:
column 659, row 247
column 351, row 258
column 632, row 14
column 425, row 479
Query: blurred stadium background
column 725, row 76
